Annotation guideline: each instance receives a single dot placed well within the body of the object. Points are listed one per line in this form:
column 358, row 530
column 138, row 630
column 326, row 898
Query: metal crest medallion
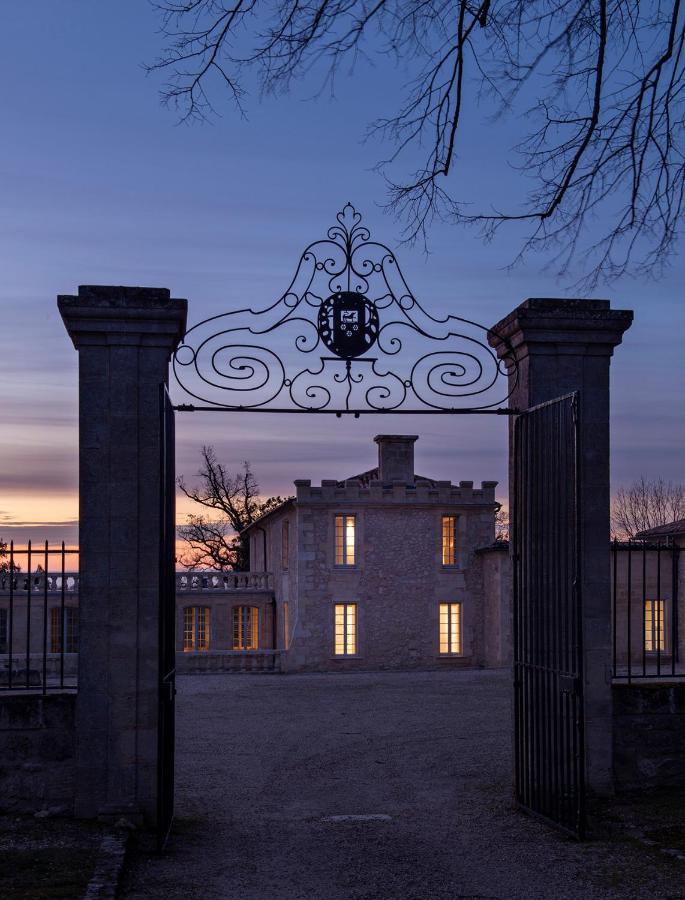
column 348, row 324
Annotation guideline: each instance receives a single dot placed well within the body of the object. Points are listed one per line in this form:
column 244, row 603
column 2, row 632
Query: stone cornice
column 556, row 326
column 106, row 315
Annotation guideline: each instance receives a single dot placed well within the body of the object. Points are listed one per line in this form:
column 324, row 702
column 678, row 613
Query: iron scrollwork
column 368, row 344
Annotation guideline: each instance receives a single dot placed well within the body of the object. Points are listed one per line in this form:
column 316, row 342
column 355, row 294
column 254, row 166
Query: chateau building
column 379, row 570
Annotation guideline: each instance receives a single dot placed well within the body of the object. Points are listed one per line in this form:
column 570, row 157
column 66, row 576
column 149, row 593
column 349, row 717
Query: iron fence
column 38, row 617
column 646, row 614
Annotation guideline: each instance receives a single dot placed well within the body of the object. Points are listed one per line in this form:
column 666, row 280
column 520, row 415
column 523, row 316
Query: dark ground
column 46, row 858
column 265, row 764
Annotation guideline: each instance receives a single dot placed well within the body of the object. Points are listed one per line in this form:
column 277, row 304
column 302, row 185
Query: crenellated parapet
column 422, row 491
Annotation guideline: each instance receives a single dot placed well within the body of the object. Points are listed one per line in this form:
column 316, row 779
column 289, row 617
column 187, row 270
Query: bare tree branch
column 647, row 504
column 603, row 149
column 216, row 541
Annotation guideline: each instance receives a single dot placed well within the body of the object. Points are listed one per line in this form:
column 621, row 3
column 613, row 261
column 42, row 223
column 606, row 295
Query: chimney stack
column 396, row 457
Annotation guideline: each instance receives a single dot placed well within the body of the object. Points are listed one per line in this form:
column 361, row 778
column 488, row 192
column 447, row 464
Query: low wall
column 37, row 752
column 237, row 661
column 649, row 735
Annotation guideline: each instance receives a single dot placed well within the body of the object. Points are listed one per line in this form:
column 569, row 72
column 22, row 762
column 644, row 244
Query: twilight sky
column 98, row 184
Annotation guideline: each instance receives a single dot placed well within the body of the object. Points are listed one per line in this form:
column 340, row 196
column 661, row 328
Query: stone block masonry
column 649, row 735
column 125, row 337
column 37, row 767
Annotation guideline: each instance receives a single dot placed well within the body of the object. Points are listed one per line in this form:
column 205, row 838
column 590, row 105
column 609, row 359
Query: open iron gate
column 167, row 609
column 548, row 662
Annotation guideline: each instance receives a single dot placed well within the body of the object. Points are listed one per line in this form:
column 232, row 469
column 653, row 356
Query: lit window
column 449, row 540
column 655, row 632
column 195, row 628
column 285, row 544
column 286, row 625
column 70, row 630
column 345, row 528
column 450, row 627
column 245, row 628
column 4, row 624
column 345, row 629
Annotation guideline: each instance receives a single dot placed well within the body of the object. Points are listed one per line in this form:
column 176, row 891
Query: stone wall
column 494, row 571
column 37, row 746
column 649, row 735
column 398, row 580
column 220, row 605
column 246, row 661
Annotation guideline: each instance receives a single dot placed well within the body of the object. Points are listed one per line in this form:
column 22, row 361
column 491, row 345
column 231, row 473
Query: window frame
column 346, row 607
column 449, row 607
column 659, row 606
column 195, row 628
column 238, row 627
column 285, row 544
column 444, row 545
column 346, row 520
column 62, row 616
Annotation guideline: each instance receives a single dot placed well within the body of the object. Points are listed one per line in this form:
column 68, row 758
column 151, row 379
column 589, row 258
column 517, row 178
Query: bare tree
column 501, row 525
column 647, row 504
column 603, row 139
column 216, row 541
column 5, row 565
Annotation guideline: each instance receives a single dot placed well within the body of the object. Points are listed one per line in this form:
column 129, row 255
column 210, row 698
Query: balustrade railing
column 35, row 582
column 186, row 582
column 191, row 582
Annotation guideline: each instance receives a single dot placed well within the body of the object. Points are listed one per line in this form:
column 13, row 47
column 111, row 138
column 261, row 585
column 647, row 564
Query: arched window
column 195, row 628
column 245, row 628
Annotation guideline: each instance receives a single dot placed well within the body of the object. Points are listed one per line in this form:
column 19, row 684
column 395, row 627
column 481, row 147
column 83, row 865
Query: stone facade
column 397, row 580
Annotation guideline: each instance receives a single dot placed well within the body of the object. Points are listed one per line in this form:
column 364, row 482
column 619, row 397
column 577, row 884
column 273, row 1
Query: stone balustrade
column 34, row 582
column 220, row 582
column 186, row 582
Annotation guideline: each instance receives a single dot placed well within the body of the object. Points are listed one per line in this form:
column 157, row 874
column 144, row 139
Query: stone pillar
column 125, row 336
column 563, row 346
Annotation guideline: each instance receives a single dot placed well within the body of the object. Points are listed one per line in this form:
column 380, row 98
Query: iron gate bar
column 651, row 664
column 167, row 620
column 548, row 688
column 45, row 617
column 675, row 649
column 658, row 611
column 11, row 618
column 19, row 678
column 644, row 607
column 501, row 411
column 28, row 617
column 630, row 611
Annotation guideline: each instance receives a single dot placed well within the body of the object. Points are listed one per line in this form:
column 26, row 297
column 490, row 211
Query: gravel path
column 274, row 771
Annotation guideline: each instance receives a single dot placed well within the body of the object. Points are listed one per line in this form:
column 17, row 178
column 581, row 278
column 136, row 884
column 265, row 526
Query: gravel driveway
column 374, row 785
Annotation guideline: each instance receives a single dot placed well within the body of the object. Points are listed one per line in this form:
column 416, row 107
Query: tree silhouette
column 647, row 504
column 602, row 154
column 216, row 541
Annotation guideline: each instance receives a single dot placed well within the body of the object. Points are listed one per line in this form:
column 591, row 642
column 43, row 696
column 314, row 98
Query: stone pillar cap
column 114, row 314
column 561, row 323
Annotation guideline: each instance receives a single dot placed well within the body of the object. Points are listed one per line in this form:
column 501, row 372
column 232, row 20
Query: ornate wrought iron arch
column 368, row 344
